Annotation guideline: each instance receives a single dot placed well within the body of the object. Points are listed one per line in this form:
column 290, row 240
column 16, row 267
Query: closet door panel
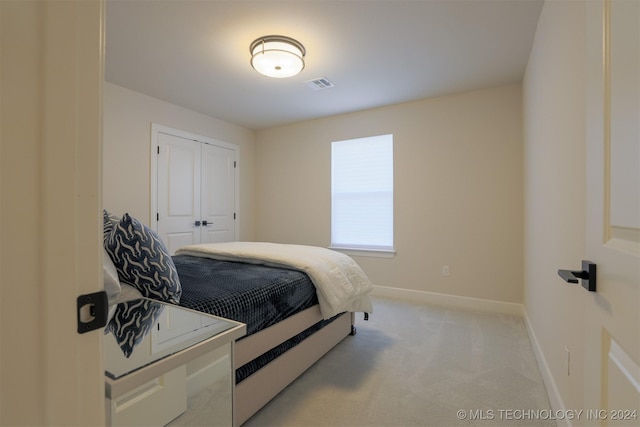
column 218, row 194
column 179, row 190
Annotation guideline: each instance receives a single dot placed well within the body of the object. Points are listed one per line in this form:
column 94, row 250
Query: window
column 362, row 193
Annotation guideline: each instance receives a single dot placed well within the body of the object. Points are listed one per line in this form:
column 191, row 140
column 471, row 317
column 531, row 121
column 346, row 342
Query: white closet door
column 193, row 188
column 178, row 198
column 218, row 191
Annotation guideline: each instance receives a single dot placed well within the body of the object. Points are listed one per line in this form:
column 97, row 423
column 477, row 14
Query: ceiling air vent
column 320, row 83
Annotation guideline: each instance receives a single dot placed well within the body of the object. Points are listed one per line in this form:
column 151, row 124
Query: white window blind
column 362, row 193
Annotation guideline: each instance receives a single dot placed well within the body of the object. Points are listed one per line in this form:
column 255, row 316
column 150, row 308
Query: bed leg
column 353, row 323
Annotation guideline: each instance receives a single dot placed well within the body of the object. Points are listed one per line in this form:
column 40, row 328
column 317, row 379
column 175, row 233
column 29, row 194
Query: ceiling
column 195, row 53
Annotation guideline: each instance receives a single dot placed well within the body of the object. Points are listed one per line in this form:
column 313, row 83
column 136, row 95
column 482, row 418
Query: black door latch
column 92, row 311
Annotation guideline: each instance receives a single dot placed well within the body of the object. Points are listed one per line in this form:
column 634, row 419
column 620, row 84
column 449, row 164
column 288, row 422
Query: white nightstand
column 169, row 365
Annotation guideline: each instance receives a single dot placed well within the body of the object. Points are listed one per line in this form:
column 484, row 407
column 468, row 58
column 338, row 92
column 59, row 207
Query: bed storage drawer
column 255, row 391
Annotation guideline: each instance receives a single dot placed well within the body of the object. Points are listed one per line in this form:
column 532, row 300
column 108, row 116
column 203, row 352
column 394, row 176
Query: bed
column 298, row 302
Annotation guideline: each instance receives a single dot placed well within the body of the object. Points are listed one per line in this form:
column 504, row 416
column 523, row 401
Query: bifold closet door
column 179, row 172
column 217, row 203
column 196, row 192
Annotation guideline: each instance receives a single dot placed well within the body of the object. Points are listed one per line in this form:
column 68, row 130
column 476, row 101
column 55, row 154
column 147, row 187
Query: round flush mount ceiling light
column 277, row 56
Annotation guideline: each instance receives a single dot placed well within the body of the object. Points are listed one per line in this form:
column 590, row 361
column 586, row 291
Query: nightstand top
column 144, row 332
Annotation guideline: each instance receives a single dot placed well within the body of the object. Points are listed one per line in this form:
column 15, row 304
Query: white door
column 612, row 322
column 178, row 191
column 217, row 194
column 195, row 187
column 51, row 75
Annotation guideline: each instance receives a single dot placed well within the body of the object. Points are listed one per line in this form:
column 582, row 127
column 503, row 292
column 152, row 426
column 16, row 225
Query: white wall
column 554, row 187
column 127, row 146
column 458, row 190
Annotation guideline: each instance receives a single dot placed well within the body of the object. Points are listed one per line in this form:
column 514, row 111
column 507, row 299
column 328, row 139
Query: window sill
column 372, row 253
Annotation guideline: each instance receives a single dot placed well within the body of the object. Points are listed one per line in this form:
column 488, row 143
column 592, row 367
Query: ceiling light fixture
column 277, row 56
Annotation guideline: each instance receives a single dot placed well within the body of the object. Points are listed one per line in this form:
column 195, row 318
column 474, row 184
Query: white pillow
column 128, row 293
column 111, row 281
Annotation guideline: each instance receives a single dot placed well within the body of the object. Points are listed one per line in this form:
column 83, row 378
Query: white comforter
column 340, row 283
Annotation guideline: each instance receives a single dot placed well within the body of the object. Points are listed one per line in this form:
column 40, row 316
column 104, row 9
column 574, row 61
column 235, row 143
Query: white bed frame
column 258, row 389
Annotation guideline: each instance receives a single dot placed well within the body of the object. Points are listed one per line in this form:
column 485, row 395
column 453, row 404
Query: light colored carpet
column 419, row 365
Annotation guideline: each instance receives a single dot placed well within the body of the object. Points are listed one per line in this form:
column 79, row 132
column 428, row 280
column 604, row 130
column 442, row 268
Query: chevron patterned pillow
column 109, row 221
column 142, row 260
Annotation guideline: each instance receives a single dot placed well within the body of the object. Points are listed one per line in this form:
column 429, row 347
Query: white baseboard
column 553, row 393
column 456, row 301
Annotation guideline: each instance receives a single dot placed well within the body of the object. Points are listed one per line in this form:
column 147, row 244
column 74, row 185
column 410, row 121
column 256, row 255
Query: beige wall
column 458, row 190
column 554, row 186
column 127, row 145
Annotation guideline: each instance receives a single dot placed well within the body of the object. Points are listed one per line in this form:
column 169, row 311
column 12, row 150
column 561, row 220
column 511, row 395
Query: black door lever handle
column 587, row 275
column 570, row 276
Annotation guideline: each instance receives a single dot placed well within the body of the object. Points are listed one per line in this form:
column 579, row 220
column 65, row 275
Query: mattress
column 256, row 295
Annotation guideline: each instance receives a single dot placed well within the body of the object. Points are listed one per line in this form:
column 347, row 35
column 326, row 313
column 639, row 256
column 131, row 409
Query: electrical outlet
column 567, row 361
column 445, row 270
